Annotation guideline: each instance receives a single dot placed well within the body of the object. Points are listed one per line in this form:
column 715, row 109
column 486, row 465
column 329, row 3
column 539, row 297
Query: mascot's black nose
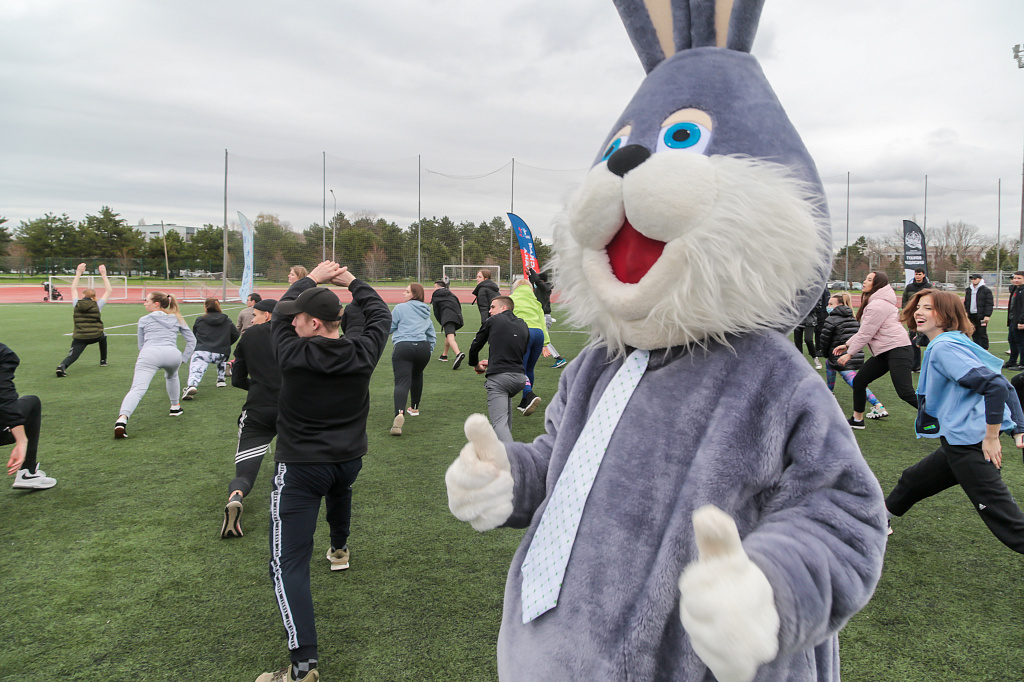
column 627, row 158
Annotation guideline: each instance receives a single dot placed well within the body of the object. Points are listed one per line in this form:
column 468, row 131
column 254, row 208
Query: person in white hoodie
column 158, row 349
column 414, row 337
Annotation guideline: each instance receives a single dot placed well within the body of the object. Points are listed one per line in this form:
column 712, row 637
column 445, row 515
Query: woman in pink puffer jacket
column 881, row 331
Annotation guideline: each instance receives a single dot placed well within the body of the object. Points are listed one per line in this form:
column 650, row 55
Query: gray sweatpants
column 500, row 389
column 151, row 359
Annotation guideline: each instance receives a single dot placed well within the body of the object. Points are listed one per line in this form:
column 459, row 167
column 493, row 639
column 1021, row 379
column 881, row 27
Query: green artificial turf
column 118, row 573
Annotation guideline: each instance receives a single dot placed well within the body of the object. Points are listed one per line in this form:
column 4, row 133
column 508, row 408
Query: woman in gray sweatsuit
column 158, row 349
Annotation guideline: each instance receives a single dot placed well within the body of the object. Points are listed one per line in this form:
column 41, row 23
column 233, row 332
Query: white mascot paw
column 480, row 480
column 726, row 603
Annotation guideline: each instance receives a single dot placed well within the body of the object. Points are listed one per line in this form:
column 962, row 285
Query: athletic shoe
column 532, row 406
column 559, row 363
column 1007, row 352
column 25, row 480
column 877, row 412
column 189, row 392
column 888, row 528
column 285, row 675
column 227, row 369
column 458, row 360
column 396, row 426
column 443, row 358
column 104, row 363
column 176, row 411
column 60, row 371
column 413, row 412
column 338, row 558
column 817, row 364
column 854, row 424
column 221, row 384
column 120, row 429
column 231, row 526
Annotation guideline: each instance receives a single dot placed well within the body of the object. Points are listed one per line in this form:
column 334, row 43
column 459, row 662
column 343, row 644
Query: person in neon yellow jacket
column 529, row 310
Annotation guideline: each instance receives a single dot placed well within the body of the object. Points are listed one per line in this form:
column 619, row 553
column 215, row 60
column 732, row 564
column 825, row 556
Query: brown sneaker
column 285, row 675
column 396, row 426
column 338, row 558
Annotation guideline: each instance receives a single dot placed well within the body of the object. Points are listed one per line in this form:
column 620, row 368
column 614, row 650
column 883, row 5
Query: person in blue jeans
column 965, row 402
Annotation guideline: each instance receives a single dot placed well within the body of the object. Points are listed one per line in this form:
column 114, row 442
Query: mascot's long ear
column 660, row 28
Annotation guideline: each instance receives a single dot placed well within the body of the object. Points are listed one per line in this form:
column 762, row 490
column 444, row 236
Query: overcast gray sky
column 131, row 104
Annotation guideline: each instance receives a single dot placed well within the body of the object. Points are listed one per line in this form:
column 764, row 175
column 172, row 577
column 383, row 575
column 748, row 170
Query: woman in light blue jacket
column 413, row 336
column 158, row 349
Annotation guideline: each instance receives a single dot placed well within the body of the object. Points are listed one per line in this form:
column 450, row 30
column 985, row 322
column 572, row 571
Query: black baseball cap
column 266, row 305
column 975, row 276
column 318, row 302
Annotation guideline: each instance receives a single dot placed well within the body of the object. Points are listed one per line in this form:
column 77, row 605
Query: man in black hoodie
column 321, row 440
column 448, row 312
column 508, row 336
column 915, row 285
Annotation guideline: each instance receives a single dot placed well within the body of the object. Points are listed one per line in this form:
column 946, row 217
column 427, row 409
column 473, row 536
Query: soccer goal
column 466, row 274
column 58, row 287
column 197, row 287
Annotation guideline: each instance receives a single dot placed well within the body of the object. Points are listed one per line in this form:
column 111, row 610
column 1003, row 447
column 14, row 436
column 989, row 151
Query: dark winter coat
column 985, row 303
column 1015, row 310
column 88, row 323
column 447, row 308
column 215, row 332
column 839, row 327
column 483, row 294
column 542, row 290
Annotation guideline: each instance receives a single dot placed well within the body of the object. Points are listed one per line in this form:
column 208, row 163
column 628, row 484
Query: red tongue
column 632, row 254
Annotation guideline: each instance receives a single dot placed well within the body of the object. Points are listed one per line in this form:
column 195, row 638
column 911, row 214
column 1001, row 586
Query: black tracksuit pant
column 962, row 465
column 79, row 345
column 256, row 429
column 294, row 507
column 408, row 361
column 898, row 362
column 32, row 412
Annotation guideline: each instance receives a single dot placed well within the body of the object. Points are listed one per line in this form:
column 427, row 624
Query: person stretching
column 413, row 337
column 214, row 335
column 965, row 402
column 838, row 328
column 88, row 323
column 448, row 311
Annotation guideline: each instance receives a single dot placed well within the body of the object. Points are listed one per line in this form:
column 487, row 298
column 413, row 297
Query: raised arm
column 107, row 289
column 74, row 283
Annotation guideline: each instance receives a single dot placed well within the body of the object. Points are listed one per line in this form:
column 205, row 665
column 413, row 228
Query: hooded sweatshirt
column 880, row 328
column 215, row 333
column 961, row 389
column 529, row 310
column 410, row 321
column 162, row 329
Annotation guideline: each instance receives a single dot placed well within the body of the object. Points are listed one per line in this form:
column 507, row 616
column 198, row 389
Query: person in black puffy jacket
column 215, row 333
column 839, row 326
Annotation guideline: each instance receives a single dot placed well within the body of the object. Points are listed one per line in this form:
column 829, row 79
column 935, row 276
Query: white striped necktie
column 544, row 566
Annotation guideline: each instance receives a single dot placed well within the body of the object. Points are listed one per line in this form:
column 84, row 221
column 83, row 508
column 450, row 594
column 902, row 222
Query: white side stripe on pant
column 257, row 451
column 275, row 557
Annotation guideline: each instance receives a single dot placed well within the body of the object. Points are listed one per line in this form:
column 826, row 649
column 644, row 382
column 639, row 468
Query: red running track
column 34, row 293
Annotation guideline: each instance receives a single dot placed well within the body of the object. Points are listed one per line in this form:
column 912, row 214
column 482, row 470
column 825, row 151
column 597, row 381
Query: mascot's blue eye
column 686, row 135
column 616, row 143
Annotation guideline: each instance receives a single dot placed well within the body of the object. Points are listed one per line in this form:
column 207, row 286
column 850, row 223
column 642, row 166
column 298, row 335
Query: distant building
column 153, row 231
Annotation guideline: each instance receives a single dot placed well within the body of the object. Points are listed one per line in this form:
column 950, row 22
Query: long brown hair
column 880, row 280
column 417, row 291
column 168, row 303
column 950, row 313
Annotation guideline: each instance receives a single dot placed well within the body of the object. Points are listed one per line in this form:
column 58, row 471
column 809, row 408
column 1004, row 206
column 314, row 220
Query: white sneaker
column 817, row 364
column 221, row 384
column 877, row 412
column 26, row 480
column 189, row 392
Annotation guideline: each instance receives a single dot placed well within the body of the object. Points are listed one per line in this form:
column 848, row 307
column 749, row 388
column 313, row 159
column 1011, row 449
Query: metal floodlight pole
column 847, row 274
column 324, row 240
column 334, row 226
column 224, row 264
column 1018, row 54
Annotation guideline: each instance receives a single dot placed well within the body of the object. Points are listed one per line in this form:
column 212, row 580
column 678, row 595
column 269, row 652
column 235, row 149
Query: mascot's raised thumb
column 480, row 481
column 726, row 603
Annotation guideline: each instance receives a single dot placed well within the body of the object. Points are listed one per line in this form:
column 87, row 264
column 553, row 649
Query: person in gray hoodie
column 214, row 335
column 414, row 337
column 158, row 349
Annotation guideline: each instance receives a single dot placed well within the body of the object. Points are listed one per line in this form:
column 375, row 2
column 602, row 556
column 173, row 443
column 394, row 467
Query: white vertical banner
column 247, row 232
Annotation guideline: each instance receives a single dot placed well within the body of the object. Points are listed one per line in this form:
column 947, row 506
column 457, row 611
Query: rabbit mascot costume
column 698, row 508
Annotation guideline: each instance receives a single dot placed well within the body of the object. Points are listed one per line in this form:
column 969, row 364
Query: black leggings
column 78, row 345
column 32, row 412
column 408, row 362
column 803, row 335
column 962, row 465
column 898, row 362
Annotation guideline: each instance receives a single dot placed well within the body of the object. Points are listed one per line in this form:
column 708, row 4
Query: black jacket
column 508, row 336
column 912, row 288
column 1015, row 310
column 447, row 308
column 352, row 320
column 484, row 293
column 840, row 325
column 255, row 369
column 215, row 332
column 325, row 396
column 542, row 290
column 10, row 415
column 985, row 302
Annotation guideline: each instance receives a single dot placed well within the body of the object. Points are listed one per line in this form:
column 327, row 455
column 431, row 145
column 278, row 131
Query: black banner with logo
column 914, row 255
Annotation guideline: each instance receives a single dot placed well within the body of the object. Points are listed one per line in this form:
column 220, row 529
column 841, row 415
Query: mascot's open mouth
column 632, row 254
